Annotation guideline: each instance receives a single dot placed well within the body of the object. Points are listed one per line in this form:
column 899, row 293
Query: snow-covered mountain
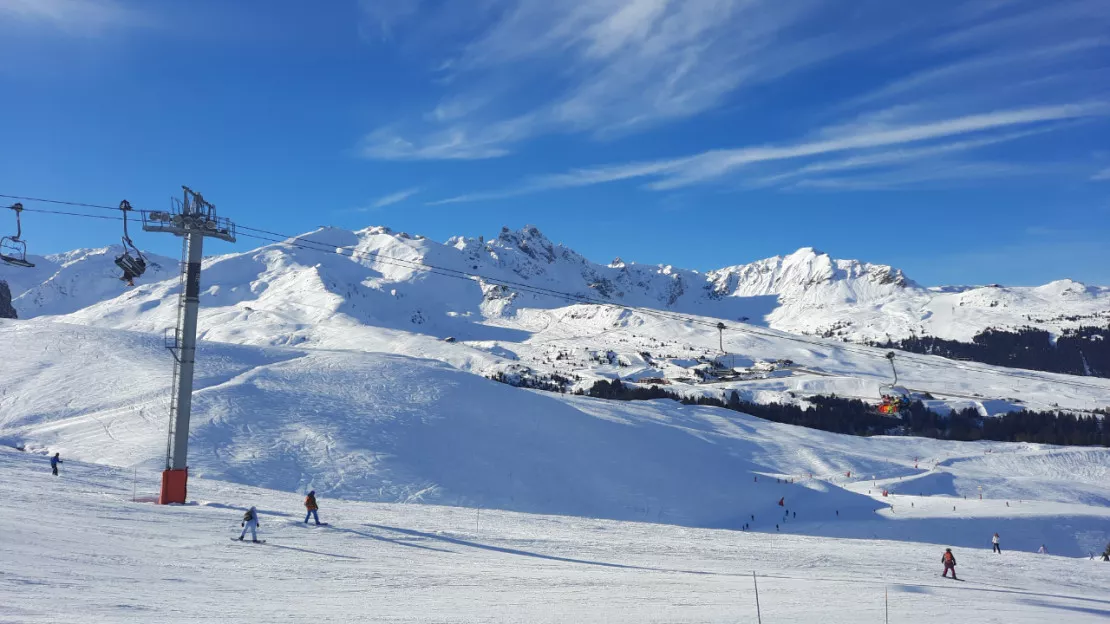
column 384, row 280
column 67, row 282
column 396, row 293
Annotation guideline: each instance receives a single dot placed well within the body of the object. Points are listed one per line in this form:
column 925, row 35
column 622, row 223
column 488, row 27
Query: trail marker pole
column 477, row 520
column 192, row 219
column 886, row 603
column 758, row 616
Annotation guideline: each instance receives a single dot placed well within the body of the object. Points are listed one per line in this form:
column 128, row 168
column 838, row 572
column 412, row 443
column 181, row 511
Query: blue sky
column 966, row 142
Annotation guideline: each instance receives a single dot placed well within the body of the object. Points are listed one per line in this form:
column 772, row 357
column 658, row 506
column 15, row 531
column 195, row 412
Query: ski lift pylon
column 13, row 249
column 131, row 260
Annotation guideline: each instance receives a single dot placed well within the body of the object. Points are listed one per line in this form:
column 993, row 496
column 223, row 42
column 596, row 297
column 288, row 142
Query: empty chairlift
column 13, row 249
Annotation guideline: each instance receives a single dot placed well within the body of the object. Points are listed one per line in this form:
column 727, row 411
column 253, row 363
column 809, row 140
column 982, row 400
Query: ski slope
column 398, row 429
column 97, row 552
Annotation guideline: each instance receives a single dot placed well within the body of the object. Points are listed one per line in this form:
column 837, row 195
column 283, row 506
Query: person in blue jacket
column 54, row 461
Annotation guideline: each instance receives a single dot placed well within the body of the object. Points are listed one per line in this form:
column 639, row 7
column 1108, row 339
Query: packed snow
column 97, row 550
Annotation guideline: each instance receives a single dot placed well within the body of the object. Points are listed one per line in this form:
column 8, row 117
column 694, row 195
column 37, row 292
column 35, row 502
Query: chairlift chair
column 13, row 249
column 131, row 260
column 895, row 398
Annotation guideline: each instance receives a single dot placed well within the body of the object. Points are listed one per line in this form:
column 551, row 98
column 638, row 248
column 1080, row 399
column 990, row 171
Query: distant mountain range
column 384, row 278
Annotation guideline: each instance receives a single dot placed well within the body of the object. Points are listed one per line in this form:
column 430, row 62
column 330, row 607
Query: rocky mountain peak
column 6, row 309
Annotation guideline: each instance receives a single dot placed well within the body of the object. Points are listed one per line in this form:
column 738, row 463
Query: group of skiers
column 250, row 518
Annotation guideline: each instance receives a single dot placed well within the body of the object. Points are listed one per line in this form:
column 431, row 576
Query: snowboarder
column 54, row 461
column 994, row 541
column 1042, row 550
column 312, row 507
column 949, row 561
column 1106, row 553
column 250, row 523
column 782, row 502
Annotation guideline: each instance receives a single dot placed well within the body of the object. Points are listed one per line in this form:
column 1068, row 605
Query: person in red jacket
column 949, row 561
column 312, row 507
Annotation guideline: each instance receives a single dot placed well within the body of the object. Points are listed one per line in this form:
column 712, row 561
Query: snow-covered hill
column 383, row 280
column 390, row 428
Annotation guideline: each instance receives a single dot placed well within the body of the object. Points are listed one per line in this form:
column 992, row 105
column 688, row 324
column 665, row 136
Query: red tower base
column 173, row 486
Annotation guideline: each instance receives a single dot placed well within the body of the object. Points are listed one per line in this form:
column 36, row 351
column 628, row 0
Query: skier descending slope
column 994, row 541
column 949, row 561
column 54, row 461
column 312, row 507
column 250, row 523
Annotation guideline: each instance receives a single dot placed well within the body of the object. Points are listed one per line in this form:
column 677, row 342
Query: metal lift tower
column 193, row 219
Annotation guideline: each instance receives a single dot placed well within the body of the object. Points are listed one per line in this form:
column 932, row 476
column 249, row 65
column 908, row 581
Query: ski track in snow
column 93, row 555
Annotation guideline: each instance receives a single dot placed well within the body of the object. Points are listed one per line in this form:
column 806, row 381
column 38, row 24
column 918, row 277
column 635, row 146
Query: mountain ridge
column 804, row 292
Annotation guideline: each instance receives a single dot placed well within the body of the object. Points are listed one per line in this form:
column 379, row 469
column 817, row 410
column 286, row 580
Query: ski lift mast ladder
column 193, row 219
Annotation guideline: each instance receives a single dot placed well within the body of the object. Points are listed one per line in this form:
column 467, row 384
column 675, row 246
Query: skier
column 994, row 541
column 1106, row 553
column 949, row 561
column 312, row 507
column 250, row 523
column 54, row 461
column 1042, row 550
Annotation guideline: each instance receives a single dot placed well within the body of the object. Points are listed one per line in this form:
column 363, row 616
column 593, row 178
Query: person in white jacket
column 1042, row 550
column 994, row 541
column 250, row 523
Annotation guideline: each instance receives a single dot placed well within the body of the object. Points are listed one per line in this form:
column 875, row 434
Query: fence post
column 886, row 603
column 758, row 615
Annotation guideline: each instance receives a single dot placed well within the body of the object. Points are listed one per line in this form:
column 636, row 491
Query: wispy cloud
column 1102, row 175
column 949, row 172
column 895, row 156
column 989, row 70
column 713, row 165
column 80, row 17
column 608, row 67
column 930, row 92
column 1026, row 22
column 392, row 198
